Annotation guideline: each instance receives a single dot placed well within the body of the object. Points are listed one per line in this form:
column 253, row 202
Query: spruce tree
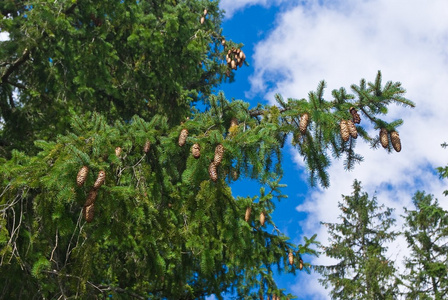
column 117, row 154
column 363, row 270
column 426, row 232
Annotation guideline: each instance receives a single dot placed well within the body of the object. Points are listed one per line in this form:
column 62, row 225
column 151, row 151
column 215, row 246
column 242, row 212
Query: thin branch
column 15, row 65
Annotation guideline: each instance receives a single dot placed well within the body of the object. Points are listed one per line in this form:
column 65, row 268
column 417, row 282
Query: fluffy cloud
column 4, row 36
column 232, row 6
column 341, row 42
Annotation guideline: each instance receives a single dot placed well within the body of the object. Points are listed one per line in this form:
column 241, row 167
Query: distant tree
column 117, row 153
column 358, row 243
column 426, row 231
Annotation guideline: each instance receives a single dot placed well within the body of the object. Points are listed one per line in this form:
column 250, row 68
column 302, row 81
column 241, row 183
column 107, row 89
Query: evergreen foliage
column 426, row 231
column 358, row 243
column 81, row 78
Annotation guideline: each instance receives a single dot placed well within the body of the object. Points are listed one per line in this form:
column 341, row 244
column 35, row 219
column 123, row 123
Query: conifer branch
column 15, row 65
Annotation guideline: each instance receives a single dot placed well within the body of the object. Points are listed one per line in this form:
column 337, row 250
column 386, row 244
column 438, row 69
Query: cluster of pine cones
column 219, row 150
column 348, row 128
column 89, row 205
column 394, row 138
column 235, row 58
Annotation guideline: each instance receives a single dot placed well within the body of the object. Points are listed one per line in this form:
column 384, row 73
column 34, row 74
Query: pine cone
column 235, row 174
column 118, row 151
column 99, row 180
column 355, row 115
column 247, row 215
column 219, row 151
column 205, row 12
column 91, row 197
column 183, row 137
column 196, row 150
column 233, row 64
column 233, row 122
column 384, row 139
column 291, row 258
column 262, row 218
column 352, row 129
column 396, row 143
column 88, row 212
column 147, row 146
column 300, row 264
column 223, row 42
column 345, row 134
column 304, row 121
column 82, row 175
column 212, row 172
column 202, row 20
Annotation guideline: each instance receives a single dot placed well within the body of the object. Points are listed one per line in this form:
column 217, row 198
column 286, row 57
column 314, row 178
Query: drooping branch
column 15, row 65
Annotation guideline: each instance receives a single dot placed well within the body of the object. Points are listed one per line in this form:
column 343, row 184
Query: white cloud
column 4, row 36
column 232, row 6
column 342, row 42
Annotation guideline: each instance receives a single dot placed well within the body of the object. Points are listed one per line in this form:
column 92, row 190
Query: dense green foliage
column 426, row 231
column 81, row 78
column 363, row 270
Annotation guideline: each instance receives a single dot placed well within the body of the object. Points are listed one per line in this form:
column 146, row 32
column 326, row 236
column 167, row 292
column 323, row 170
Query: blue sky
column 292, row 45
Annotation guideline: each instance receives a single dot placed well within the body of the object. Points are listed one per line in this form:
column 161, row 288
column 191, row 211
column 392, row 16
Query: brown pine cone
column 345, row 134
column 91, row 197
column 118, row 151
column 99, row 180
column 219, row 152
column 304, row 121
column 300, row 264
column 147, row 146
column 247, row 215
column 396, row 143
column 262, row 218
column 88, row 212
column 355, row 115
column 352, row 129
column 212, row 172
column 384, row 139
column 183, row 137
column 291, row 258
column 82, row 175
column 196, row 150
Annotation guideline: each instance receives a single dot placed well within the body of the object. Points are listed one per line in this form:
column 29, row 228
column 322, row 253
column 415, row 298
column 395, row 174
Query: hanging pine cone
column 82, row 175
column 219, row 151
column 247, row 215
column 291, row 258
column 88, row 212
column 395, row 139
column 262, row 218
column 233, row 122
column 99, row 180
column 91, row 197
column 235, row 174
column 300, row 264
column 212, row 171
column 183, row 137
column 223, row 42
column 196, row 150
column 147, row 146
column 352, row 129
column 384, row 139
column 118, row 151
column 355, row 115
column 304, row 121
column 345, row 134
column 202, row 20
column 205, row 12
